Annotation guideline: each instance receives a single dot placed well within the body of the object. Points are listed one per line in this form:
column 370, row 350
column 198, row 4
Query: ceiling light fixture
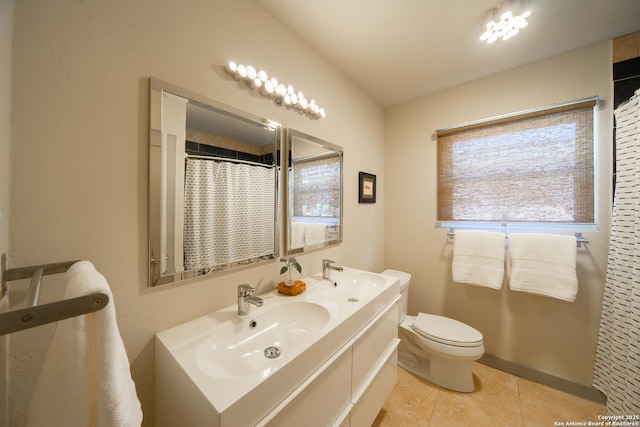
column 505, row 21
column 284, row 95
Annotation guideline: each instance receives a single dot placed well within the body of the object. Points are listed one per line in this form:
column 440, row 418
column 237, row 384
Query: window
column 316, row 187
column 534, row 167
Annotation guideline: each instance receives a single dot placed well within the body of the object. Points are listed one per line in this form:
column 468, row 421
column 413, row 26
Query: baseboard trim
column 576, row 389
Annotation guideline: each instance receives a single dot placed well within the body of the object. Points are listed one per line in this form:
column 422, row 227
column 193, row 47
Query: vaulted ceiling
column 398, row 50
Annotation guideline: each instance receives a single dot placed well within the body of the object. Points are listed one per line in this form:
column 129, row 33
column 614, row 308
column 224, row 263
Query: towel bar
column 580, row 239
column 37, row 315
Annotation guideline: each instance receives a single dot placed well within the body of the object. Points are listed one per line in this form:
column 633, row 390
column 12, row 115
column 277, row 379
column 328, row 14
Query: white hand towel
column 298, row 230
column 543, row 264
column 478, row 258
column 85, row 380
column 316, row 233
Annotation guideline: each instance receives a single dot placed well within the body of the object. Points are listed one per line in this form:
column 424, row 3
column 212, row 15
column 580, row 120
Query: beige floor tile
column 543, row 406
column 500, row 399
column 410, row 403
column 493, row 403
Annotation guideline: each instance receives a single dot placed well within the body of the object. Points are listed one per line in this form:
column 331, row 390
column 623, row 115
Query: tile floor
column 500, row 399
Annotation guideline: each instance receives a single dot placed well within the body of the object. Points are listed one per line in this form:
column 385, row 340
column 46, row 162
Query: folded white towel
column 298, row 230
column 478, row 258
column 316, row 233
column 85, row 380
column 543, row 264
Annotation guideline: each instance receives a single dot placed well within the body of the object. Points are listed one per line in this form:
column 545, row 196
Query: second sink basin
column 255, row 344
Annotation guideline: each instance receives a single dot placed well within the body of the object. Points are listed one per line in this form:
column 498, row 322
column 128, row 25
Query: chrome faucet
column 326, row 266
column 245, row 297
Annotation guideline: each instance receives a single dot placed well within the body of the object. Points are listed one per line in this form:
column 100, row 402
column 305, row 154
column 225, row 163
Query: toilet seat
column 446, row 331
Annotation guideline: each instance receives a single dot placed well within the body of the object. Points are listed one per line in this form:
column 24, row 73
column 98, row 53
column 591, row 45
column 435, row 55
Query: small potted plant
column 290, row 286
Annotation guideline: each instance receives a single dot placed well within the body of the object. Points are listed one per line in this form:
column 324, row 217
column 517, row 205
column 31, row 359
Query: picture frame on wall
column 366, row 188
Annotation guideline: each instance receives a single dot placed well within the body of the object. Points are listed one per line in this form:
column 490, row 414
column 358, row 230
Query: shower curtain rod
column 226, row 159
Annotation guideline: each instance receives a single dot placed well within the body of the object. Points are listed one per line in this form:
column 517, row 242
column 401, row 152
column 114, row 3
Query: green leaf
column 283, row 269
column 297, row 266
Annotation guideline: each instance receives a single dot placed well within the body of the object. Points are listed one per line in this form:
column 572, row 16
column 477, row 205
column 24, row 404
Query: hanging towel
column 316, row 233
column 298, row 230
column 478, row 258
column 543, row 264
column 85, row 380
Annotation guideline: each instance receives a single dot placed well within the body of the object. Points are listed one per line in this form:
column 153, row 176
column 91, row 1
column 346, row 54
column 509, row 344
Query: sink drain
column 353, row 300
column 272, row 352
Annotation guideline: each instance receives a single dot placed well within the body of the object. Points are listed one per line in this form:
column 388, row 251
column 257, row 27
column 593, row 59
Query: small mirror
column 213, row 186
column 314, row 193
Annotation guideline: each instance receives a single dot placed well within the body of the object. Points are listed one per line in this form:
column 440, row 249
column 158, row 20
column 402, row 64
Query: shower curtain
column 617, row 367
column 229, row 212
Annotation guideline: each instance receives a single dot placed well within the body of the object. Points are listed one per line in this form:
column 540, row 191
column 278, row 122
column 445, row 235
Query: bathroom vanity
column 326, row 357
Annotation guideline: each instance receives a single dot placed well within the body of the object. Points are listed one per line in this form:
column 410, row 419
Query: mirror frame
column 157, row 87
column 290, row 135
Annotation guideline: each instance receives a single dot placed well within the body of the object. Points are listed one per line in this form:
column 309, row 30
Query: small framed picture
column 367, row 188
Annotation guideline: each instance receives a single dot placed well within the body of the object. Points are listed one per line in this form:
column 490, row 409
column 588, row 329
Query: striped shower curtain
column 617, row 367
column 229, row 212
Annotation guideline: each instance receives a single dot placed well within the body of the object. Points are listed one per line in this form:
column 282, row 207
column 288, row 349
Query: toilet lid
column 446, row 331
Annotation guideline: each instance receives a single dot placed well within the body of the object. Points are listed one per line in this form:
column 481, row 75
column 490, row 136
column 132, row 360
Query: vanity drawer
column 319, row 400
column 371, row 346
column 376, row 390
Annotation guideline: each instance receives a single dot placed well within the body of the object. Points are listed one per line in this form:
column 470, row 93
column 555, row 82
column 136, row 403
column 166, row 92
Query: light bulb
column 242, row 71
column 268, row 87
column 262, row 75
column 251, row 72
column 231, row 67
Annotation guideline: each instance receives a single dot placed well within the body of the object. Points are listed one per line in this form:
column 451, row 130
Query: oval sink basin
column 251, row 346
column 357, row 285
column 362, row 280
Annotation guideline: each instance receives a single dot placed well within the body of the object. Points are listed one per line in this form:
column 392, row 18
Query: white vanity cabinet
column 349, row 388
column 335, row 364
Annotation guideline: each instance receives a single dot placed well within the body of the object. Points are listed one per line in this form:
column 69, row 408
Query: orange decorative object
column 298, row 287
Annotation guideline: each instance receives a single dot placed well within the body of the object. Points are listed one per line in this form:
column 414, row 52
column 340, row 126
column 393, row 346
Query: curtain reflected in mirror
column 314, row 193
column 213, row 186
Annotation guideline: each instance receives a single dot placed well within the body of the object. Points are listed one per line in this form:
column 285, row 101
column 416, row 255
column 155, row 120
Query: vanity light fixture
column 505, row 21
column 284, row 95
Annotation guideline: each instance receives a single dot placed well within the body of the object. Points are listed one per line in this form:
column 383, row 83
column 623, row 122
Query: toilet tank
column 404, row 281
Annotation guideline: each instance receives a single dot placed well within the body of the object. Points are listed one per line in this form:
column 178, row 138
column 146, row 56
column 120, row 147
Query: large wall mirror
column 314, row 193
column 213, row 186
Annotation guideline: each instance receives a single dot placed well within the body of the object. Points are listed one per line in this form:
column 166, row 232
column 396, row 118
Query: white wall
column 548, row 335
column 79, row 151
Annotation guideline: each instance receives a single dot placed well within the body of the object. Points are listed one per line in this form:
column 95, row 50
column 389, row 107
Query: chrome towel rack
column 36, row 315
column 580, row 239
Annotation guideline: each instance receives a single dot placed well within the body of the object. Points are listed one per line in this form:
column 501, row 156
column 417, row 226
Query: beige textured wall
column 79, row 151
column 542, row 333
column 6, row 15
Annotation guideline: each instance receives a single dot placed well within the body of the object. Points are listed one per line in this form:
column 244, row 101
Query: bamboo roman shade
column 316, row 187
column 535, row 167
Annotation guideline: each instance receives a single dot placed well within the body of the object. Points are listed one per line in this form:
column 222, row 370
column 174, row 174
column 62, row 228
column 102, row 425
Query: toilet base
column 451, row 374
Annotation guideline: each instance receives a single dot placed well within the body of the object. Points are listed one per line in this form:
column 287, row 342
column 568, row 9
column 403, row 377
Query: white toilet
column 436, row 348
